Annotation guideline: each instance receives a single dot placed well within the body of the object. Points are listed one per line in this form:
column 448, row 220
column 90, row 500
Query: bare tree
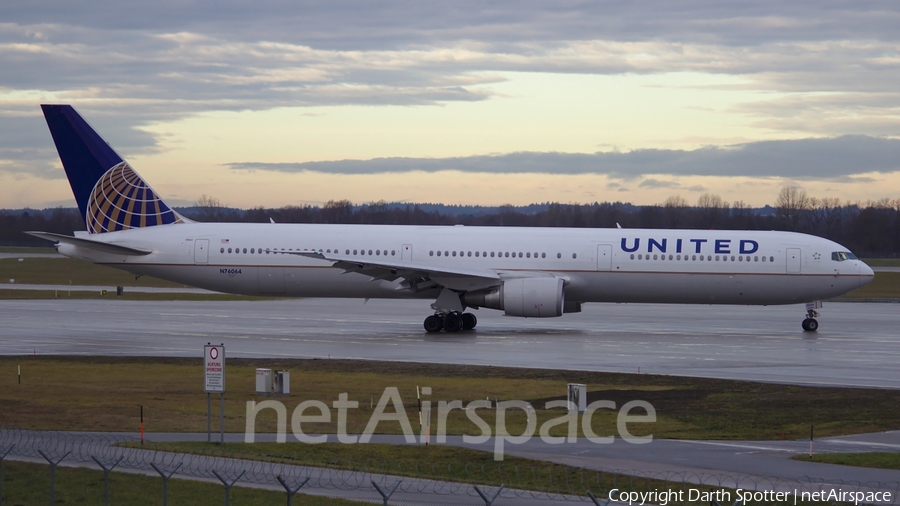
column 713, row 209
column 211, row 208
column 675, row 208
column 338, row 211
column 792, row 203
column 826, row 214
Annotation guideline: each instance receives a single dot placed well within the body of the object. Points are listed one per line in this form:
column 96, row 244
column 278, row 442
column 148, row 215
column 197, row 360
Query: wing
column 416, row 275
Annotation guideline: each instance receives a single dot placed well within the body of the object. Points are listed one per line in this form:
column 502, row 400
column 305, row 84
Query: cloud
column 656, row 183
column 802, row 159
column 826, row 69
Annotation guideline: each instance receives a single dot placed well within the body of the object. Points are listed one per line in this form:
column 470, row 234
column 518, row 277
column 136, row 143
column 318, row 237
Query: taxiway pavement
column 857, row 344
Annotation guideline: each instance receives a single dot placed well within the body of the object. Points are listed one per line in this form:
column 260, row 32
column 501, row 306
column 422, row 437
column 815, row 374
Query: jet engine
column 529, row 297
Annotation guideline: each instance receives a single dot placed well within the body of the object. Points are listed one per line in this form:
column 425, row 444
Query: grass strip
column 111, row 295
column 886, row 285
column 29, row 483
column 877, row 460
column 882, row 262
column 464, row 465
column 65, row 271
column 104, row 394
column 436, row 462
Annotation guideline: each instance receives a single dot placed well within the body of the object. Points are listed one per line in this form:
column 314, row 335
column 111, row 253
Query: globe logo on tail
column 121, row 200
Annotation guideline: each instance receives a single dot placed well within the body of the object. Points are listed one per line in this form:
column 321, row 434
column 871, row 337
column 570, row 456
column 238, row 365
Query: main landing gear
column 809, row 323
column 451, row 322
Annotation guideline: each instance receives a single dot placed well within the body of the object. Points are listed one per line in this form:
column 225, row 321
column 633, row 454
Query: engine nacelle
column 529, row 297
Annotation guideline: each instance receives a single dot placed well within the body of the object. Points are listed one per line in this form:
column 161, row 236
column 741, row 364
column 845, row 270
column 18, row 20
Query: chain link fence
column 553, row 483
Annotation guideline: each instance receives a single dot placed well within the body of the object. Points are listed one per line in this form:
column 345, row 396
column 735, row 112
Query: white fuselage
column 598, row 265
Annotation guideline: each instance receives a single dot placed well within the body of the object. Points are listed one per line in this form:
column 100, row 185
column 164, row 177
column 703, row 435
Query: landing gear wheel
column 810, row 325
column 453, row 322
column 434, row 323
column 469, row 321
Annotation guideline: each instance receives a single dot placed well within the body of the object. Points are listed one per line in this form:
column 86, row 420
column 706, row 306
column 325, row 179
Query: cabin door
column 793, row 260
column 406, row 253
column 201, row 251
column 604, row 257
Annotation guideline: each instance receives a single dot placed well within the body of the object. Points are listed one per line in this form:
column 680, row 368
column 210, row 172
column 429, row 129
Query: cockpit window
column 840, row 256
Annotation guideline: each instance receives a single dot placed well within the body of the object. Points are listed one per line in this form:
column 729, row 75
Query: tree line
column 870, row 228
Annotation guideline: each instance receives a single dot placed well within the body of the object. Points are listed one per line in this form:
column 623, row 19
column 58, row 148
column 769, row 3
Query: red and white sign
column 214, row 368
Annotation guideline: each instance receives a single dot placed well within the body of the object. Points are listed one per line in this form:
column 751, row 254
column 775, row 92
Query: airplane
column 524, row 272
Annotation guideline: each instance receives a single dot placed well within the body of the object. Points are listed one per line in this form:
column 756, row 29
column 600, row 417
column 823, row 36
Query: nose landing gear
column 810, row 324
column 451, row 322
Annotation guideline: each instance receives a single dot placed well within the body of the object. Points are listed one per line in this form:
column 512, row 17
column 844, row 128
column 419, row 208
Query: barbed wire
column 550, row 482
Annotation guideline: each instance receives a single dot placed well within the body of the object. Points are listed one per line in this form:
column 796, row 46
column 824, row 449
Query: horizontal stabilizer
column 104, row 247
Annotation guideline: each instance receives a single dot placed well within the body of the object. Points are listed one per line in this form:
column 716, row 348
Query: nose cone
column 866, row 274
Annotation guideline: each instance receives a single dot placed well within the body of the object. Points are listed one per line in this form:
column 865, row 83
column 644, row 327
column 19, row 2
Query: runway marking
column 862, row 443
column 745, row 446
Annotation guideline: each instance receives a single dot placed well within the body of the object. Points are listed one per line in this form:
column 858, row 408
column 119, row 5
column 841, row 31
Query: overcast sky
column 280, row 102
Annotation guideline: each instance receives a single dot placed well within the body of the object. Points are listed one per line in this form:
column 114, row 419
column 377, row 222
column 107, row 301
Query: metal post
column 106, row 471
column 227, row 484
column 597, row 501
column 165, row 478
column 222, row 418
column 386, row 494
column 53, row 474
column 810, row 440
column 290, row 491
column 489, row 502
column 3, row 455
column 208, row 418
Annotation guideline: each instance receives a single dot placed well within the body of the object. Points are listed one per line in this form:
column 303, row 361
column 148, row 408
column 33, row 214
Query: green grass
column 48, row 250
column 28, row 484
column 111, row 295
column 877, row 460
column 103, row 394
column 64, row 271
column 885, row 285
column 882, row 262
column 437, row 462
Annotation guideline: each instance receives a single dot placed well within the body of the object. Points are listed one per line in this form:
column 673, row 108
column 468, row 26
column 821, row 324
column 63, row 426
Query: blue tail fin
column 110, row 194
